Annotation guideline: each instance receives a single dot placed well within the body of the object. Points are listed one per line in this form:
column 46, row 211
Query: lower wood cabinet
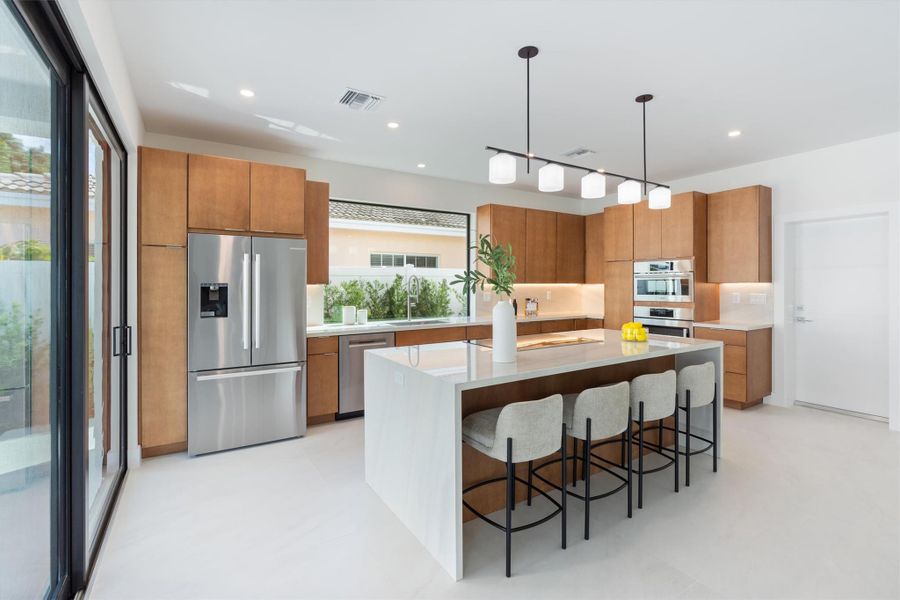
column 528, row 328
column 593, row 324
column 748, row 363
column 321, row 384
column 558, row 325
column 429, row 336
column 162, row 339
column 479, row 332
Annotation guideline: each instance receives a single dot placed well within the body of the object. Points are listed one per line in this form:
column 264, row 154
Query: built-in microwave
column 664, row 281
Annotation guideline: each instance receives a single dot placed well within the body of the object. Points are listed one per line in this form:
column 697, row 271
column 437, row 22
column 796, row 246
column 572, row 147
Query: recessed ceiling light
column 421, row 165
column 734, row 133
column 393, row 125
column 247, row 93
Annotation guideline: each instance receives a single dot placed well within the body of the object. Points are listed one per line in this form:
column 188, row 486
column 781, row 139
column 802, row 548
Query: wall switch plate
column 548, row 294
column 758, row 298
column 735, row 298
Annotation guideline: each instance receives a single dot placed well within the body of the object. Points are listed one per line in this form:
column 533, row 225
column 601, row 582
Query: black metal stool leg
column 687, row 439
column 659, row 433
column 715, row 429
column 625, row 434
column 574, row 460
column 563, row 486
column 628, row 466
column 530, row 476
column 641, row 455
column 510, row 503
column 586, row 446
column 675, row 444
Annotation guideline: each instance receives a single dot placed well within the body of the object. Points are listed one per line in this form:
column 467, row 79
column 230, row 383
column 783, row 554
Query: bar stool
column 515, row 433
column 696, row 388
column 653, row 397
column 594, row 414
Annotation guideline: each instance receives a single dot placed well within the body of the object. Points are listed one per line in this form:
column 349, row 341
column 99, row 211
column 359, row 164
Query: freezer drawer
column 240, row 407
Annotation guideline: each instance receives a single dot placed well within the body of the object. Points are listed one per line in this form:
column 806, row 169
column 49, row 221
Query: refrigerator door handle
column 248, row 373
column 245, row 323
column 257, row 300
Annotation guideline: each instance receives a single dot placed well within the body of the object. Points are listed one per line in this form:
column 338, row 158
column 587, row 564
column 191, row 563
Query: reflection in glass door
column 28, row 197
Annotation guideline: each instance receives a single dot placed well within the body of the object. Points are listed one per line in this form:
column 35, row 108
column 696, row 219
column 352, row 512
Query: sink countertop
column 401, row 325
column 735, row 325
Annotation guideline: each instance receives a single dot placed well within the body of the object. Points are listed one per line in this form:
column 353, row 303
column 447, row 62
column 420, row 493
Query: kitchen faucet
column 412, row 297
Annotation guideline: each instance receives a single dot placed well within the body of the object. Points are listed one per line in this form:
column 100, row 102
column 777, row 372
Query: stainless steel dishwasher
column 350, row 355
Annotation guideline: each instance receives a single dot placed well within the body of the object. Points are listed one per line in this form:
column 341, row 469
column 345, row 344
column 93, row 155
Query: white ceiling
column 793, row 76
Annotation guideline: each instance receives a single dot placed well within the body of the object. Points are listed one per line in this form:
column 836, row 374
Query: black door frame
column 72, row 560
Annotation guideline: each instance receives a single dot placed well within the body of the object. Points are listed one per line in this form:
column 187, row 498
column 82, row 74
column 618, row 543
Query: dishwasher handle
column 367, row 344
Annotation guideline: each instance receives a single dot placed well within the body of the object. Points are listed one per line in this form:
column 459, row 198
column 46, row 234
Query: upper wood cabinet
column 218, row 193
column 647, row 232
column 618, row 232
column 739, row 234
column 317, row 244
column 276, row 199
column 162, row 193
column 506, row 225
column 540, row 246
column 594, row 255
column 569, row 248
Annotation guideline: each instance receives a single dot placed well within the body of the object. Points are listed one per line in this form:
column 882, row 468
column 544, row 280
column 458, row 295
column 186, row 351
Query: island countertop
column 468, row 365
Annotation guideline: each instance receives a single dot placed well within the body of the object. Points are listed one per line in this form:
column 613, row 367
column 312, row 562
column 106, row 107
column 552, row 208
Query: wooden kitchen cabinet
column 570, row 241
column 162, row 340
column 647, row 232
column 276, row 199
column 321, row 385
column 317, row 237
column 414, row 337
column 594, row 253
column 162, row 196
column 505, row 225
column 618, row 294
column 618, row 232
column 748, row 363
column 739, row 233
column 479, row 332
column 593, row 324
column 218, row 193
column 558, row 325
column 528, row 328
column 540, row 246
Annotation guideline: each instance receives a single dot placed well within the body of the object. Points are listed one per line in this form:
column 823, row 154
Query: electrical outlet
column 758, row 298
column 548, row 295
column 735, row 298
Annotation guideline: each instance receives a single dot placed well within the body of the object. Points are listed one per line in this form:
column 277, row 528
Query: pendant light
column 593, row 186
column 660, row 197
column 502, row 168
column 629, row 192
column 551, row 178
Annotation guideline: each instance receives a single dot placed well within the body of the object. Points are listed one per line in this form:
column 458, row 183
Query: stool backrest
column 535, row 428
column 606, row 407
column 657, row 392
column 701, row 381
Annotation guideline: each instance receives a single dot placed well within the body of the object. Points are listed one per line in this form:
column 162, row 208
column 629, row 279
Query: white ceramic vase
column 504, row 327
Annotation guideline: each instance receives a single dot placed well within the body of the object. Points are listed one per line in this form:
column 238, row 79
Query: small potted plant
column 499, row 262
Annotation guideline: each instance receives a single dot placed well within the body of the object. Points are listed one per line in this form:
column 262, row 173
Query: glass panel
column 429, row 244
column 102, row 395
column 26, row 197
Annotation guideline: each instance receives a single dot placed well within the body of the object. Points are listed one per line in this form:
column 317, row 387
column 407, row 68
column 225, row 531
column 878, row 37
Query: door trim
column 783, row 375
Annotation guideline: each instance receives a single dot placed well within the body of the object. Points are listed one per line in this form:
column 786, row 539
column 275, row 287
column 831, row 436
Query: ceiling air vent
column 358, row 100
column 580, row 151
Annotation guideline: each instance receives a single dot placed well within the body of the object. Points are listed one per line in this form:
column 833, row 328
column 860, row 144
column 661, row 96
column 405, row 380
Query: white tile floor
column 805, row 505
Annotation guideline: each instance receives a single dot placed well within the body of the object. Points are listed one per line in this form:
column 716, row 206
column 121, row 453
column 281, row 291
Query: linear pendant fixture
column 552, row 176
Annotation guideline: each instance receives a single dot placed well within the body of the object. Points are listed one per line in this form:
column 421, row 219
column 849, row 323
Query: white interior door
column 839, row 314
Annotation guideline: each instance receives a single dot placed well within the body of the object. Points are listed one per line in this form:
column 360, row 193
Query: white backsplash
column 315, row 305
column 553, row 299
column 746, row 302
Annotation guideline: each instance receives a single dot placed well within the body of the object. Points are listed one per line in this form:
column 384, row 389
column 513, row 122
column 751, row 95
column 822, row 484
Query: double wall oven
column 665, row 281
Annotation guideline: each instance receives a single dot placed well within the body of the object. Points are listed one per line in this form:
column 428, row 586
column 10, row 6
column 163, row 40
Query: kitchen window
column 400, row 260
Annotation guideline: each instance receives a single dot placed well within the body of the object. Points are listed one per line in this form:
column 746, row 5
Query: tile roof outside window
column 357, row 211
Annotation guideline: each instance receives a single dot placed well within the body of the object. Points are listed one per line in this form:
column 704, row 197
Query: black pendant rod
column 643, row 99
column 576, row 167
column 528, row 52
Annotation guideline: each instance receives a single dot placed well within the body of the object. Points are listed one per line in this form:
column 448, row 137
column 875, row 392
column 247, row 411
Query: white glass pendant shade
column 593, row 185
column 660, row 197
column 629, row 192
column 551, row 178
column 502, row 168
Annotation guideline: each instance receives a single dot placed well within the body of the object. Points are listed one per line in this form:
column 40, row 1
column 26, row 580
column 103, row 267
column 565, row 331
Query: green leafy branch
column 499, row 263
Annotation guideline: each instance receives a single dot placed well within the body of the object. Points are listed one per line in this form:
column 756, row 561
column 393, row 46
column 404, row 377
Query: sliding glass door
column 30, row 422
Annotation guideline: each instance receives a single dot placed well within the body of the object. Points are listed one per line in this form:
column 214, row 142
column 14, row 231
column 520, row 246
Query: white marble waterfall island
column 417, row 396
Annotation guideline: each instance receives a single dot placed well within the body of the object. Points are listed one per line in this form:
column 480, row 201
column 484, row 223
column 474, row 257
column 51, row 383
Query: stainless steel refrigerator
column 246, row 341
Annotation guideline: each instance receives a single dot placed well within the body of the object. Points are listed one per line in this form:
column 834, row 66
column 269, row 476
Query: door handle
column 245, row 323
column 256, row 300
column 247, row 373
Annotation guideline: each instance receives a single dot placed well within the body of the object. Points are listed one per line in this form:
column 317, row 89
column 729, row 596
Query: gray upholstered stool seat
column 653, row 397
column 596, row 414
column 518, row 432
column 697, row 388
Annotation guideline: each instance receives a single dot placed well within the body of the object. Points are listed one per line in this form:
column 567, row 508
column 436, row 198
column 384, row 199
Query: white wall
column 855, row 178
